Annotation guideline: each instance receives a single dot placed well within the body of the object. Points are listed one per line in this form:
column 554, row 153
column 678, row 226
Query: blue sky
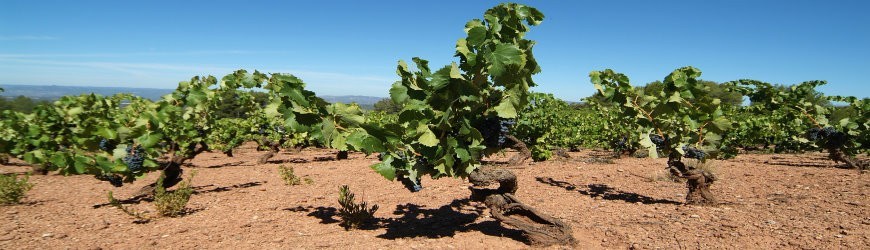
column 351, row 48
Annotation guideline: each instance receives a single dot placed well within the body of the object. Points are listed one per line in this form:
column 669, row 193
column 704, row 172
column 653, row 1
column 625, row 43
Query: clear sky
column 351, row 47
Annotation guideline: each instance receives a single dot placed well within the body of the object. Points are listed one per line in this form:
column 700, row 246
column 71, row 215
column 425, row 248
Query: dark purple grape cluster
column 107, row 145
column 135, row 158
column 262, row 129
column 659, row 141
column 828, row 136
column 410, row 185
column 495, row 130
column 621, row 144
column 489, row 128
column 813, row 134
column 505, row 126
column 693, row 153
column 115, row 180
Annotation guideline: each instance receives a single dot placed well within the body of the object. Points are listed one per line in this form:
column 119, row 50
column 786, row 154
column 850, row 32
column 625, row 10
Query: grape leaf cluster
column 411, row 185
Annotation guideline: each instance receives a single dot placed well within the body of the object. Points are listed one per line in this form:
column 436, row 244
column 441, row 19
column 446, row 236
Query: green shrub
column 288, row 176
column 13, row 189
column 352, row 214
column 172, row 203
column 541, row 153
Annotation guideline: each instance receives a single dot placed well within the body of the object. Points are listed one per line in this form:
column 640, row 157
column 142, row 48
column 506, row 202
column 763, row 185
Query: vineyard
column 470, row 157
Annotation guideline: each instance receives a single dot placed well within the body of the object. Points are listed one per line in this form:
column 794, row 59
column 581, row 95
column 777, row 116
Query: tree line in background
column 20, row 103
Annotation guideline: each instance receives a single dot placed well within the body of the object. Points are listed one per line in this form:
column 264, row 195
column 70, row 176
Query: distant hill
column 53, row 92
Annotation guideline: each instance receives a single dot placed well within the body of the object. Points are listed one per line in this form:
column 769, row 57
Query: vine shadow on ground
column 202, row 190
column 325, row 214
column 808, row 164
column 290, row 160
column 228, row 164
column 605, row 192
column 417, row 221
column 196, row 190
column 444, row 221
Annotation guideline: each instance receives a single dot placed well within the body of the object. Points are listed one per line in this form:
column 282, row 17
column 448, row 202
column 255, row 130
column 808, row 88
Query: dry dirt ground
column 767, row 202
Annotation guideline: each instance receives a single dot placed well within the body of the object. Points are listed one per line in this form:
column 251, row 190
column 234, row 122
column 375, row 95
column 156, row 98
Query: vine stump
column 523, row 150
column 538, row 228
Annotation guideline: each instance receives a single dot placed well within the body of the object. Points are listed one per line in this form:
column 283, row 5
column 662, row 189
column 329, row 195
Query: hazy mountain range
column 52, row 92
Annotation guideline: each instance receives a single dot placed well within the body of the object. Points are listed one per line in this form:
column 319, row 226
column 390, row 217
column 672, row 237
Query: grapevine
column 681, row 120
column 802, row 124
column 452, row 117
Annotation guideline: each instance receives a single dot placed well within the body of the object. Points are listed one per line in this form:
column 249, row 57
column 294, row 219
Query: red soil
column 767, row 202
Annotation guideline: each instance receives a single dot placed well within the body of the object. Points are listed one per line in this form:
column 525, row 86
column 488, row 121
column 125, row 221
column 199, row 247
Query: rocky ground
column 766, row 202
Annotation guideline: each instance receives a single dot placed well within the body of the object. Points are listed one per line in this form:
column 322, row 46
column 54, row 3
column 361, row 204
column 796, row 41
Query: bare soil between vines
column 767, row 201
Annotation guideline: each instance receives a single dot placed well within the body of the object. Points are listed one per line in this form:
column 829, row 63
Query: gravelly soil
column 767, row 202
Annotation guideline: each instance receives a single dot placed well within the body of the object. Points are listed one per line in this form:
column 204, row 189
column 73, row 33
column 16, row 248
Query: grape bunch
column 489, row 128
column 135, row 157
column 262, row 129
column 107, row 145
column 495, row 130
column 828, row 136
column 659, row 141
column 410, row 185
column 504, row 127
column 813, row 134
column 115, row 180
column 693, row 153
column 621, row 144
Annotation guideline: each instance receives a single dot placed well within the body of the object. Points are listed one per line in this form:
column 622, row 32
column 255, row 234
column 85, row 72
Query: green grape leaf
column 503, row 56
column 385, row 168
column 506, row 109
column 148, row 140
column 427, row 137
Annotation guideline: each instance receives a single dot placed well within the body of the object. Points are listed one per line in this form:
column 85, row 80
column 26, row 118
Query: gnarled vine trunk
column 273, row 149
column 538, row 228
column 172, row 170
column 698, row 181
column 838, row 155
column 341, row 155
column 523, row 151
column 39, row 169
